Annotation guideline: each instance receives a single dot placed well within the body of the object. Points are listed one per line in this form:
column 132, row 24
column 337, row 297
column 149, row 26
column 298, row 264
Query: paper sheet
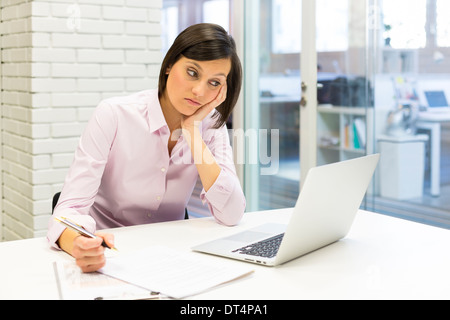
column 73, row 284
column 174, row 274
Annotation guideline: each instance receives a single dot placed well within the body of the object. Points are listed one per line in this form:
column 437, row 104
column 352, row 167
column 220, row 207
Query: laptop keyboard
column 267, row 248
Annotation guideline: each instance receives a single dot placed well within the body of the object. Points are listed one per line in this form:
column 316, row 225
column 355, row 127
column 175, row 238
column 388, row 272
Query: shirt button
column 163, row 169
column 158, row 198
column 149, row 215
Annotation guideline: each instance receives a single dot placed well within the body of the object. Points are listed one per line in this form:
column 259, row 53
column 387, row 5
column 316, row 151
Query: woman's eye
column 192, row 73
column 215, row 83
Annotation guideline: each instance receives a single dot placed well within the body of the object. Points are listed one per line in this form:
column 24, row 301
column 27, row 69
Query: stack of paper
column 172, row 273
column 73, row 284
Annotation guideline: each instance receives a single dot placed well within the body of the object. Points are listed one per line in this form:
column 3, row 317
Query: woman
column 139, row 157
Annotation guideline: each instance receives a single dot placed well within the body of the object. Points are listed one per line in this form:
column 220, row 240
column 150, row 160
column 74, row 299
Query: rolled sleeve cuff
column 225, row 199
column 55, row 228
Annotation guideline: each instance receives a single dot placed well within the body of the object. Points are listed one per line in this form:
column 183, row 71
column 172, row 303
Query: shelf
column 342, row 110
column 338, row 148
column 348, row 128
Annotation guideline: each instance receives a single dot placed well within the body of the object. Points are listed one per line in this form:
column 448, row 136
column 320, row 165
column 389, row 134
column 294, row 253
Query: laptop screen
column 436, row 99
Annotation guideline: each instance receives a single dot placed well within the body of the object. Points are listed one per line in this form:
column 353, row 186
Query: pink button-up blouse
column 123, row 175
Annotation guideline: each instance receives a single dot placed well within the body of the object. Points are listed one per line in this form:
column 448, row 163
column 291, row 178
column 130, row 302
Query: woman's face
column 192, row 84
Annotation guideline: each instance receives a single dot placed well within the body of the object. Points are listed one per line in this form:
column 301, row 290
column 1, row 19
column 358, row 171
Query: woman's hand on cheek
column 190, row 121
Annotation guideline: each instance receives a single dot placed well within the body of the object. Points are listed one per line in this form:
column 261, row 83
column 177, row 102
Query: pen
column 82, row 231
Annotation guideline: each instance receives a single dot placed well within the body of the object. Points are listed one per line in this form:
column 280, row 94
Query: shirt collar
column 156, row 118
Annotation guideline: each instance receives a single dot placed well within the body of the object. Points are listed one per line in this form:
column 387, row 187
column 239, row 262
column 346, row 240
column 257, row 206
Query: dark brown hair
column 207, row 42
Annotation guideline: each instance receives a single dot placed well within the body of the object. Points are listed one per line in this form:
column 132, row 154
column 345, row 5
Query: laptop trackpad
column 258, row 233
column 247, row 236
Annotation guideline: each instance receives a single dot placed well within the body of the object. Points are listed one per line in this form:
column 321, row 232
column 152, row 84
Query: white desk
column 432, row 121
column 381, row 258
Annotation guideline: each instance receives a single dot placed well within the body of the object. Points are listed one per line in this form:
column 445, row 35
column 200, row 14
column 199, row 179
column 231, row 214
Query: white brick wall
column 59, row 59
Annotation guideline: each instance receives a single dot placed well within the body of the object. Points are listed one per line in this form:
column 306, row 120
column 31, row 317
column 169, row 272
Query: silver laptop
column 326, row 207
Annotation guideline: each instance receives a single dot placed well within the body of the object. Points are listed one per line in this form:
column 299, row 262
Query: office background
column 59, row 58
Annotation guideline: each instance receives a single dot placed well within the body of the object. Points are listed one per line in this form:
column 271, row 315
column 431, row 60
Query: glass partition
column 383, row 86
column 412, row 116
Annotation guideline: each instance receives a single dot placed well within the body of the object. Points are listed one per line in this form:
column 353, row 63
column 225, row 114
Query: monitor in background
column 436, row 101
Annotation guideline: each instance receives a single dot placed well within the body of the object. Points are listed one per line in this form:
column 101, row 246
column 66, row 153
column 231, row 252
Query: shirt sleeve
column 84, row 176
column 225, row 198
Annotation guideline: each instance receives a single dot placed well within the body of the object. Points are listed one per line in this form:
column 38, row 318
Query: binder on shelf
column 346, row 136
column 356, row 144
column 360, row 132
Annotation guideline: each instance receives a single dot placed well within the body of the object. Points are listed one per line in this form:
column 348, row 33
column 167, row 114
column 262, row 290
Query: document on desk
column 172, row 273
column 73, row 284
